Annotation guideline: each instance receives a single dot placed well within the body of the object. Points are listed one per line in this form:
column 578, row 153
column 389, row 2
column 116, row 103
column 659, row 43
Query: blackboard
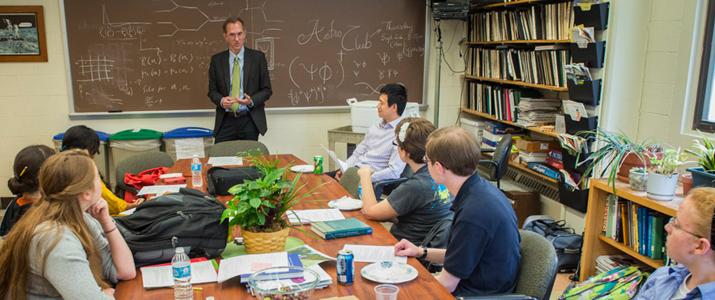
column 153, row 55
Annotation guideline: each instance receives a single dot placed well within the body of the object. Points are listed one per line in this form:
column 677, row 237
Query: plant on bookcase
column 259, row 206
column 637, row 178
column 703, row 150
column 613, row 151
column 663, row 175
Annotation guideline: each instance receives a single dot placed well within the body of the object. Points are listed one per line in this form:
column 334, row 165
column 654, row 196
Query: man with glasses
column 239, row 86
column 482, row 255
column 689, row 242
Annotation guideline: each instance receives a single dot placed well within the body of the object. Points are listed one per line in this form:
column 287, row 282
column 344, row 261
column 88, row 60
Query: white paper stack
column 529, row 157
column 307, row 216
column 537, row 112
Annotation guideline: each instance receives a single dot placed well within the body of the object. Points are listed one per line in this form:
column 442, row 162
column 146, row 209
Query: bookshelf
column 511, row 4
column 525, row 169
column 518, row 42
column 490, row 117
column 518, row 83
column 596, row 244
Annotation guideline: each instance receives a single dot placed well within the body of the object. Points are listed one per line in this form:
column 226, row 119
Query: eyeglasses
column 394, row 143
column 674, row 222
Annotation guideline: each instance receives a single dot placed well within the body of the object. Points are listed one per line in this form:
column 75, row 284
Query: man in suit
column 239, row 86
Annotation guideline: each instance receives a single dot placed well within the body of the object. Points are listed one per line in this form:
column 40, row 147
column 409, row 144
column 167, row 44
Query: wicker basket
column 264, row 242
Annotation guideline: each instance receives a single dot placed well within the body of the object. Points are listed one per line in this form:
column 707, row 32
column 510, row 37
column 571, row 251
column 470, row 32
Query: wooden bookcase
column 515, row 44
column 595, row 243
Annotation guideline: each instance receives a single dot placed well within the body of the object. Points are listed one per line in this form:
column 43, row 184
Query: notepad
column 245, row 265
column 307, row 216
column 368, row 253
column 202, row 271
column 160, row 189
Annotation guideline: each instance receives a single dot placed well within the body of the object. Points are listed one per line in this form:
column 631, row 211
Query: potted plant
column 663, row 175
column 704, row 151
column 259, row 206
column 637, row 178
column 614, row 149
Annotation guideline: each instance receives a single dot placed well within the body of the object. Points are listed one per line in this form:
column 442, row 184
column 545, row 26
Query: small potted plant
column 614, row 149
column 637, row 178
column 663, row 175
column 704, row 151
column 259, row 206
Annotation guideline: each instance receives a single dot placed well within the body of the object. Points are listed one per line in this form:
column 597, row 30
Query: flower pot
column 702, row 177
column 661, row 187
column 631, row 161
column 264, row 242
column 637, row 179
column 687, row 180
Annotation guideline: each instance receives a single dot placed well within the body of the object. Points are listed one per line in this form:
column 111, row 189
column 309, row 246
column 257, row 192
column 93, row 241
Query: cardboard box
column 535, row 146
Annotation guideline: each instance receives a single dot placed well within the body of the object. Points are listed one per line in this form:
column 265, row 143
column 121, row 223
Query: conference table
column 425, row 286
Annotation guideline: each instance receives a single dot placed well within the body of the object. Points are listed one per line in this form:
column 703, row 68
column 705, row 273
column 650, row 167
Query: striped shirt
column 377, row 152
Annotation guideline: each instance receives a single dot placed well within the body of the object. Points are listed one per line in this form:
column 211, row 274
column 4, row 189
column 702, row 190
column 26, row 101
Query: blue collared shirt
column 665, row 281
column 231, row 57
column 377, row 152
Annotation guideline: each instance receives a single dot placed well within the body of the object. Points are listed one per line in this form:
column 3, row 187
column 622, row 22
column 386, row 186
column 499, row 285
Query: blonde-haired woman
column 690, row 243
column 67, row 246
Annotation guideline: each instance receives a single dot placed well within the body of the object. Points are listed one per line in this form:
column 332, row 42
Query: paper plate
column 345, row 203
column 389, row 272
column 302, row 168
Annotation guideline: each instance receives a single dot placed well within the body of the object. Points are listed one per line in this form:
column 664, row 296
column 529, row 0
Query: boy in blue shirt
column 482, row 255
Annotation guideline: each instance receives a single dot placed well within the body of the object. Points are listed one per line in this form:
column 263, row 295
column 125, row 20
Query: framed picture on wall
column 22, row 34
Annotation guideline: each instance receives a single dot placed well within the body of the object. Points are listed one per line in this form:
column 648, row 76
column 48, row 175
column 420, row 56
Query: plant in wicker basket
column 259, row 206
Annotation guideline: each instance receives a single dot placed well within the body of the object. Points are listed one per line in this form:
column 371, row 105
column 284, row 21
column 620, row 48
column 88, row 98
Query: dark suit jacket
column 256, row 83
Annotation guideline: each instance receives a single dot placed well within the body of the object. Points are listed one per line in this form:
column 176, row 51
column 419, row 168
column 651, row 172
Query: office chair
column 385, row 187
column 537, row 270
column 499, row 163
column 231, row 148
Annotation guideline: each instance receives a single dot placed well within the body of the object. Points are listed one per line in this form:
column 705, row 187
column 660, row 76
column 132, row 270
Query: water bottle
column 181, row 269
column 359, row 191
column 196, row 178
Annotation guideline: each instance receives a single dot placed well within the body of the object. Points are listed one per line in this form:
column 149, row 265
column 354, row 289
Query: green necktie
column 236, row 78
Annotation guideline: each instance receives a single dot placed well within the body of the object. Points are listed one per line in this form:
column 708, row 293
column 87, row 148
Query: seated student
column 24, row 183
column 482, row 255
column 690, row 243
column 376, row 149
column 416, row 203
column 67, row 246
column 85, row 138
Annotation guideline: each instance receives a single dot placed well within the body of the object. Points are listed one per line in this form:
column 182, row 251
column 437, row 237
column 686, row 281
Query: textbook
column 245, row 265
column 340, row 228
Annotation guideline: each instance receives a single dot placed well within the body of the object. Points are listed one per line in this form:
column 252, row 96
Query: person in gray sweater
column 66, row 246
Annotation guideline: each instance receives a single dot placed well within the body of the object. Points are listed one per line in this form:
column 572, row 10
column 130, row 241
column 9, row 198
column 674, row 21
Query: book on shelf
column 537, row 22
column 340, row 228
column 637, row 227
column 544, row 67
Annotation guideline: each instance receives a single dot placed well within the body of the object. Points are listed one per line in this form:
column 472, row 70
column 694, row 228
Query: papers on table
column 307, row 216
column 160, row 189
column 250, row 263
column 161, row 276
column 365, row 253
column 309, row 256
column 217, row 161
column 187, row 148
column 343, row 165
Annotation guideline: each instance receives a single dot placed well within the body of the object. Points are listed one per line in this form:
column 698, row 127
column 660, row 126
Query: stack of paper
column 245, row 265
column 157, row 276
column 308, row 216
column 537, row 112
column 367, row 253
column 530, row 157
column 217, row 161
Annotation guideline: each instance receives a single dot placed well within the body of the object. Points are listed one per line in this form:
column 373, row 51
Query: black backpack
column 220, row 180
column 188, row 219
column 565, row 241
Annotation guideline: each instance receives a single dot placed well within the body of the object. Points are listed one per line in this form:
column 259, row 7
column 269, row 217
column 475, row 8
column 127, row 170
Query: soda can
column 318, row 164
column 346, row 267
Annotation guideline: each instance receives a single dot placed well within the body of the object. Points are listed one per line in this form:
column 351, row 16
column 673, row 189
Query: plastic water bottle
column 197, row 179
column 181, row 269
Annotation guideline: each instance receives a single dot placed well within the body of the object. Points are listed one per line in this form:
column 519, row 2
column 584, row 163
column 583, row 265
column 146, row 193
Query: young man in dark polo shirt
column 482, row 255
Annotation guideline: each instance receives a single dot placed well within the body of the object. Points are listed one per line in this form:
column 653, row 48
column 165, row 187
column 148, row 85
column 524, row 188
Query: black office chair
column 499, row 163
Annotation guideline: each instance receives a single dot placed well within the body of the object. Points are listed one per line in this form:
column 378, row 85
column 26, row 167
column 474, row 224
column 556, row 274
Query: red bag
column 140, row 180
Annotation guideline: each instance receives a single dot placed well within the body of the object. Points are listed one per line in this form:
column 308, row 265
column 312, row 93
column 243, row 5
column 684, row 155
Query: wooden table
column 425, row 286
column 346, row 135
